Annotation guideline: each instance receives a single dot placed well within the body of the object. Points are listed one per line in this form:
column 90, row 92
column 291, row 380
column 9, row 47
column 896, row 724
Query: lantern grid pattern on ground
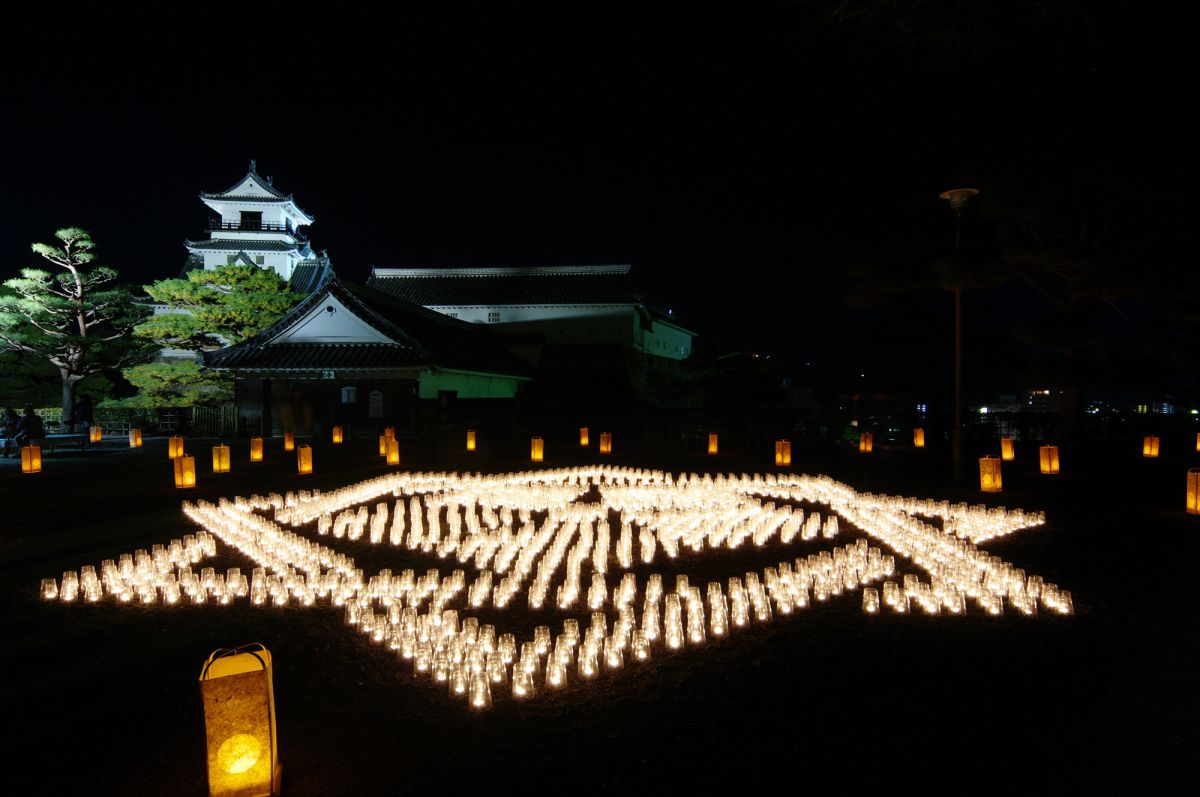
column 532, row 534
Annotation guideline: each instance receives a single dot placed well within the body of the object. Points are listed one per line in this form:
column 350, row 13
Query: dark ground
column 105, row 698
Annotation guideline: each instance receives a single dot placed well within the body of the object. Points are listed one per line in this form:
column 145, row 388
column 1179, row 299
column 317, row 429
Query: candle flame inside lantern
column 866, row 442
column 1007, row 452
column 1150, row 446
column 918, row 437
column 712, row 443
column 256, row 449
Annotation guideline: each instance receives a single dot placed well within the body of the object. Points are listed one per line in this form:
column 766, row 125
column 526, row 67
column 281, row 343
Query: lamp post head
column 958, row 198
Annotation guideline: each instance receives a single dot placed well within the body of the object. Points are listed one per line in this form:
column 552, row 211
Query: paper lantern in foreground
column 135, row 438
column 470, row 439
column 1048, row 458
column 583, row 436
column 256, row 449
column 1007, row 452
column 989, row 475
column 393, row 451
column 337, row 435
column 1150, row 446
column 185, row 471
column 221, row 459
column 712, row 443
column 537, row 449
column 31, row 459
column 866, row 442
column 304, row 459
column 1193, row 491
column 918, row 437
column 97, row 434
column 175, row 447
column 605, row 442
column 239, row 723
column 783, row 452
column 289, row 441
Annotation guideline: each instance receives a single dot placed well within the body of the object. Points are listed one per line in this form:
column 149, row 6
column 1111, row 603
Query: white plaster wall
column 320, row 325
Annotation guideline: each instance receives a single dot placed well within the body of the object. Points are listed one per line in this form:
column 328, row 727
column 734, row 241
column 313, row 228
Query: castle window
column 349, row 394
column 494, row 318
column 259, row 259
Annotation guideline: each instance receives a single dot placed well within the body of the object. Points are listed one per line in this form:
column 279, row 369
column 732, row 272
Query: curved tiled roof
column 275, row 194
column 420, row 338
column 463, row 287
column 239, row 244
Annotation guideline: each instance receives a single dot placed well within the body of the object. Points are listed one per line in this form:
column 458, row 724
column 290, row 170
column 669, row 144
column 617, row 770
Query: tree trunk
column 69, row 381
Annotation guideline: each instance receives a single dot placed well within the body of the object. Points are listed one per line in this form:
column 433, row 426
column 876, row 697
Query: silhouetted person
column 30, row 427
column 9, row 425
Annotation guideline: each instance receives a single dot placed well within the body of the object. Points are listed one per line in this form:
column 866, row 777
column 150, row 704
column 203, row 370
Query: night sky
column 740, row 161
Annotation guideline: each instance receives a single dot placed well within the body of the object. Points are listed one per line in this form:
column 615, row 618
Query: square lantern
column 304, row 459
column 866, row 442
column 389, row 432
column 712, row 443
column 1048, row 457
column 239, row 723
column 256, row 449
column 383, row 443
column 1198, row 442
column 470, row 439
column 584, row 440
column 97, row 434
column 1150, row 446
column 606, row 442
column 918, row 437
column 1007, row 452
column 1193, row 491
column 175, row 447
column 337, row 435
column 31, row 459
column 537, row 449
column 289, row 441
column 135, row 438
column 185, row 471
column 393, row 451
column 783, row 452
column 989, row 475
column 221, row 459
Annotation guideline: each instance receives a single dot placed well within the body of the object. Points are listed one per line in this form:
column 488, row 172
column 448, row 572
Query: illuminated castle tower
column 258, row 225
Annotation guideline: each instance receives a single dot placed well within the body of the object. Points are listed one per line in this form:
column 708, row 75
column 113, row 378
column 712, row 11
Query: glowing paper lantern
column 583, row 436
column 389, row 432
column 1007, row 452
column 712, row 443
column 866, row 441
column 239, row 723
column 304, row 459
column 97, row 434
column 393, row 451
column 135, row 438
column 783, row 452
column 289, row 441
column 470, row 439
column 185, row 471
column 989, row 475
column 337, row 435
column 605, row 442
column 175, row 447
column 537, row 449
column 1193, row 491
column 1150, row 446
column 1198, row 441
column 1048, row 456
column 221, row 459
column 256, row 449
column 31, row 459
column 383, row 441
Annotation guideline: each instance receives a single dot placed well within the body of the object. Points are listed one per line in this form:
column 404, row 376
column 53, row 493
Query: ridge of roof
column 499, row 271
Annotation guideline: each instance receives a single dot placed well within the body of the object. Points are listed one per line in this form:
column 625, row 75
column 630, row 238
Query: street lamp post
column 958, row 198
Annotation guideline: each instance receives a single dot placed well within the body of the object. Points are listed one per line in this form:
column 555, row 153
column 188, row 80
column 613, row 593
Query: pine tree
column 207, row 309
column 78, row 320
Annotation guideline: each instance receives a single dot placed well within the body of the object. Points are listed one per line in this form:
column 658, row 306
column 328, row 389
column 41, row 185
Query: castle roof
column 464, row 287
